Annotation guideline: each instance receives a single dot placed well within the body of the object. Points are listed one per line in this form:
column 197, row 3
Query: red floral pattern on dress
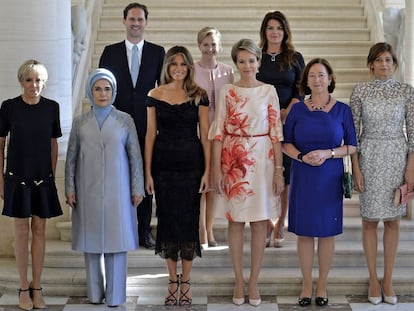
column 235, row 160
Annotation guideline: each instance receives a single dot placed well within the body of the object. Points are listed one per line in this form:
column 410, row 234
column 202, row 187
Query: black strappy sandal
column 171, row 299
column 184, row 299
column 40, row 302
column 25, row 305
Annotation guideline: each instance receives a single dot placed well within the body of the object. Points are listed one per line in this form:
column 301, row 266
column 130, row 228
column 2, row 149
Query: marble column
column 38, row 30
column 409, row 42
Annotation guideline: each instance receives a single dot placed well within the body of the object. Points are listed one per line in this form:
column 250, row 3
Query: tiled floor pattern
column 8, row 302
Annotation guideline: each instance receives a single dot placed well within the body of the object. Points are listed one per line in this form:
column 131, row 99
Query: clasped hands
column 316, row 157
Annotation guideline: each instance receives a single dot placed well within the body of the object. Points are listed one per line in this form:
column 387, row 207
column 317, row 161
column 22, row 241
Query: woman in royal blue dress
column 318, row 133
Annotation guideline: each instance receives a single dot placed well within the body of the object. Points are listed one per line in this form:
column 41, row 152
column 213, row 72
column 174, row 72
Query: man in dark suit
column 119, row 58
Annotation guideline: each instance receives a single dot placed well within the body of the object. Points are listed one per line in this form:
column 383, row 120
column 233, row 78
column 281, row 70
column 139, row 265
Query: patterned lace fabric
column 381, row 111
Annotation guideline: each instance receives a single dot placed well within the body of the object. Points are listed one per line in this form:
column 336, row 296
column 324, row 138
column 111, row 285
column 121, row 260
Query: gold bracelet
column 278, row 175
column 281, row 167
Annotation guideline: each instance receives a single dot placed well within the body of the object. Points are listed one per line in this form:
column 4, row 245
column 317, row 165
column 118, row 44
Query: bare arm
column 204, row 124
column 149, row 147
column 2, row 145
column 278, row 179
column 54, row 154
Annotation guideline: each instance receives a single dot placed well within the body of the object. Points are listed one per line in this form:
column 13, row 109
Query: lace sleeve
column 355, row 103
column 71, row 156
column 135, row 159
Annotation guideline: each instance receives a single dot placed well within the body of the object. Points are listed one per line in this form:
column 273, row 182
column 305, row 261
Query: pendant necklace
column 319, row 108
column 273, row 56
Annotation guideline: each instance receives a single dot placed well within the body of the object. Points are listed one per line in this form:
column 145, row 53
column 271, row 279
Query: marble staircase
column 212, row 274
column 333, row 29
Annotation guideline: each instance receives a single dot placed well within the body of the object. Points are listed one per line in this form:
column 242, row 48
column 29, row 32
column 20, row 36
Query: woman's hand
column 278, row 183
column 136, row 199
column 71, row 199
column 204, row 185
column 358, row 180
column 149, row 185
column 315, row 157
column 219, row 182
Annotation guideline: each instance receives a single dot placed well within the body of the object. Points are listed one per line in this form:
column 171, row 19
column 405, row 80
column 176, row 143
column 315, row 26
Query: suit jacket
column 132, row 99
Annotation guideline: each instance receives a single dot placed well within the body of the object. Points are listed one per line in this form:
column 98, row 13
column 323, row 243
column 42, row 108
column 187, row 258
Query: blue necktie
column 134, row 65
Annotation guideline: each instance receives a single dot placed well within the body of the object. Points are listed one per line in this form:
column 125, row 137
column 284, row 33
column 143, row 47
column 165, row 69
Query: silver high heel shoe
column 375, row 300
column 392, row 300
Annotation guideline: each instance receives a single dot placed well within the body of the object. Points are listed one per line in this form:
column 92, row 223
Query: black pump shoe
column 321, row 301
column 304, row 301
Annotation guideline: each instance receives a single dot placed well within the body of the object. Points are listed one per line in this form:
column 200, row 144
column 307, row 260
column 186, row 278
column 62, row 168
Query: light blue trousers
column 106, row 277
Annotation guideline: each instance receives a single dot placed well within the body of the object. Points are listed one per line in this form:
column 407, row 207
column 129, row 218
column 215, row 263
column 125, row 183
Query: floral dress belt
column 245, row 135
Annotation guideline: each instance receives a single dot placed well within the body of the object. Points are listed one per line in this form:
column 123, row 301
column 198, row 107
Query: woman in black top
column 28, row 185
column 282, row 67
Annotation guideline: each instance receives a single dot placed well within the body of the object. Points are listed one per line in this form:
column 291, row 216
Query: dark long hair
column 190, row 86
column 287, row 49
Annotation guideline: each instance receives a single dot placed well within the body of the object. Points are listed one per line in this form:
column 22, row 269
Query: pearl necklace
column 319, row 108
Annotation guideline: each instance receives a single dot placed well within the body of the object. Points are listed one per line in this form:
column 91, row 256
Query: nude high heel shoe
column 25, row 305
column 39, row 302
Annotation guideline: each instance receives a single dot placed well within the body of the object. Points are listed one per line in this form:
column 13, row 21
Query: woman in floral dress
column 385, row 160
column 247, row 162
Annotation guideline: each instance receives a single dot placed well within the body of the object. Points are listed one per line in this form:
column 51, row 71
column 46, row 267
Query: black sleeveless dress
column 177, row 168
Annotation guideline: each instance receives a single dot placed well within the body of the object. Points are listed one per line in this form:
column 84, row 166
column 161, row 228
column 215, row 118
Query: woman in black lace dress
column 177, row 159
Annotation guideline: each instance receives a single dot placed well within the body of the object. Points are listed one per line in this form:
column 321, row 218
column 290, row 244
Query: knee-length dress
column 29, row 183
column 177, row 168
column 247, row 122
column 380, row 110
column 315, row 194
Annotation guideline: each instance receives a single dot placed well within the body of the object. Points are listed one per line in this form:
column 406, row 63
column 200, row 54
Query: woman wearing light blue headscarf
column 104, row 184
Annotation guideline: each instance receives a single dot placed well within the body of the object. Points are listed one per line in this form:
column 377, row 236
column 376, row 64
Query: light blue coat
column 104, row 168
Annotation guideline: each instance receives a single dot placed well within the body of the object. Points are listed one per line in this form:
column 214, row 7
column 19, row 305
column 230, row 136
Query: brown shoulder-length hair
column 287, row 49
column 376, row 50
column 304, row 88
column 191, row 88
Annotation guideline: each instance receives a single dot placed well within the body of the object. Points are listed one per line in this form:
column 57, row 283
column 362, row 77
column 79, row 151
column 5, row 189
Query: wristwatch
column 332, row 153
column 300, row 156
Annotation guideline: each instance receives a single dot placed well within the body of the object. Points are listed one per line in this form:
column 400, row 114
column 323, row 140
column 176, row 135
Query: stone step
column 207, row 281
column 250, row 22
column 264, row 3
column 330, row 48
column 186, row 34
column 227, row 9
column 348, row 254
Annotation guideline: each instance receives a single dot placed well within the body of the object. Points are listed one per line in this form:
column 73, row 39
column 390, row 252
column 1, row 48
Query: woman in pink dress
column 211, row 75
column 247, row 160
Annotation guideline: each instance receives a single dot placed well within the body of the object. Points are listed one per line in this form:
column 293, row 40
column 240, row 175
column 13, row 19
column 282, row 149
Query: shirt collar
column 129, row 45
